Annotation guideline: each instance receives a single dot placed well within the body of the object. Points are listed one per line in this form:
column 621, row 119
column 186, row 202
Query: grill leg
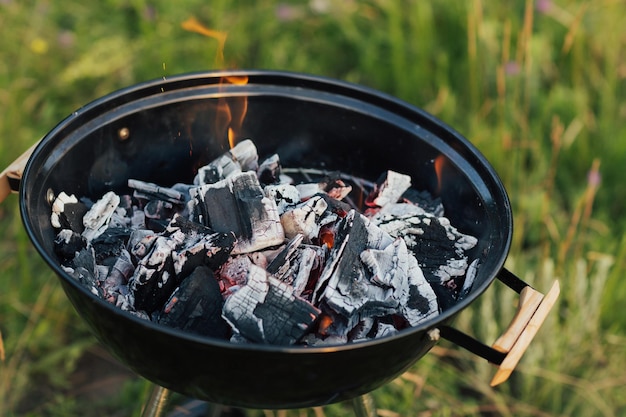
column 364, row 406
column 156, row 403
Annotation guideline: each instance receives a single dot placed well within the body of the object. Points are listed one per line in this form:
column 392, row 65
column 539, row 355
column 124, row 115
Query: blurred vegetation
column 537, row 86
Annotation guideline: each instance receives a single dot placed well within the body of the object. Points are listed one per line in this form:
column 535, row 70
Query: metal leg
column 156, row 403
column 364, row 406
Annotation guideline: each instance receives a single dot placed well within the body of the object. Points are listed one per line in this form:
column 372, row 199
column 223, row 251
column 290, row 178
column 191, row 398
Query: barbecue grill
column 163, row 130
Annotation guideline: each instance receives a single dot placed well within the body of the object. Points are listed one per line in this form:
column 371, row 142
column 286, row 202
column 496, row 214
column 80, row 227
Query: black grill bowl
column 309, row 121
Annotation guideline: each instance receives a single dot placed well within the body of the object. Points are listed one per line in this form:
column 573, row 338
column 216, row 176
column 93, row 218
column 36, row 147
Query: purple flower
column 286, row 13
column 594, row 178
column 512, row 68
column 66, row 39
column 543, row 6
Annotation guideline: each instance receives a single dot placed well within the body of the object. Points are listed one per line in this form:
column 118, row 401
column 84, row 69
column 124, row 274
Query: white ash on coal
column 439, row 247
column 248, row 253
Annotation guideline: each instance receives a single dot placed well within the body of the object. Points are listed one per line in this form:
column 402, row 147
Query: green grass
column 538, row 87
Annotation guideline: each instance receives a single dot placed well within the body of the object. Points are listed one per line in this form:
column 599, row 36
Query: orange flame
column 439, row 164
column 193, row 25
column 230, row 111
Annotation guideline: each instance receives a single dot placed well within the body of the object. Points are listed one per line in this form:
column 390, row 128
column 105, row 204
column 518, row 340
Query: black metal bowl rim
column 301, row 79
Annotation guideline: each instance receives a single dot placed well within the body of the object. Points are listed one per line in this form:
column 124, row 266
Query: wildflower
column 543, row 6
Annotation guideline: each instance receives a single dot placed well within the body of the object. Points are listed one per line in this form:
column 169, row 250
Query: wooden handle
column 532, row 311
column 14, row 172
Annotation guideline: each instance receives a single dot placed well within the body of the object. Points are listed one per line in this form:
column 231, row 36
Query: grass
column 538, row 87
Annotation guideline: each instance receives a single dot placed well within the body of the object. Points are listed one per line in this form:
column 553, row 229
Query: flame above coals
column 231, row 111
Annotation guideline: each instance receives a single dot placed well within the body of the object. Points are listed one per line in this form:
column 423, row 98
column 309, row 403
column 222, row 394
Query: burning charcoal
column 335, row 206
column 233, row 273
column 439, row 247
column 126, row 202
column 68, row 213
column 173, row 255
column 354, row 235
column 286, row 196
column 151, row 191
column 295, row 264
column 424, row 200
column 196, row 306
column 470, row 277
column 97, row 218
column 197, row 245
column 384, row 329
column 362, row 330
column 369, row 275
column 158, row 214
column 421, row 302
column 331, row 184
column 303, row 269
column 269, row 170
column 307, row 218
column 238, row 204
column 67, row 243
column 337, row 189
column 154, row 278
column 243, row 157
column 265, row 310
column 83, row 269
column 109, row 244
column 118, row 276
column 389, row 188
column 308, row 190
column 140, row 242
column 120, row 219
column 285, row 255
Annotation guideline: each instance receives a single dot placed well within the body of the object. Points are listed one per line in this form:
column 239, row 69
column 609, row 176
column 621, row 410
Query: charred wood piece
column 83, row 269
column 285, row 255
column 234, row 272
column 68, row 213
column 116, row 282
column 158, row 214
column 331, row 184
column 67, row 243
column 140, row 242
column 109, row 244
column 97, row 218
column 242, row 157
column 298, row 265
column 154, row 280
column 150, row 191
column 197, row 245
column 286, row 196
column 369, row 274
column 306, row 219
column 237, row 204
column 172, row 256
column 424, row 200
column 438, row 246
column 196, row 306
column 388, row 189
column 269, row 170
column 265, row 310
column 470, row 277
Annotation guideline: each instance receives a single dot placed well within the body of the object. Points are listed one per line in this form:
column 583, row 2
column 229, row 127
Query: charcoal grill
column 163, row 130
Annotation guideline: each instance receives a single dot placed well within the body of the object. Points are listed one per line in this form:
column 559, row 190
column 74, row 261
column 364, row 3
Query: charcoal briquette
column 196, row 306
